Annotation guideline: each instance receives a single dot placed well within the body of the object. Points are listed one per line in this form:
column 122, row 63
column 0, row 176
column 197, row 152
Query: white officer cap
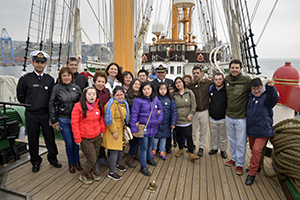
column 161, row 67
column 39, row 56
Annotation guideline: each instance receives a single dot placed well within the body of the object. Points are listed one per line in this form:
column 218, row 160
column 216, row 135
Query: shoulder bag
column 126, row 130
column 142, row 128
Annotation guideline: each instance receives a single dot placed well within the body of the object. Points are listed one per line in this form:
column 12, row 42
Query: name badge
column 227, row 84
column 186, row 99
column 155, row 106
column 97, row 113
column 166, row 103
column 211, row 94
column 196, row 85
column 74, row 88
column 46, row 87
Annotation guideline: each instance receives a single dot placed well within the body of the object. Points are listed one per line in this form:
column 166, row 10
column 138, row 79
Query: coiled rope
column 286, row 152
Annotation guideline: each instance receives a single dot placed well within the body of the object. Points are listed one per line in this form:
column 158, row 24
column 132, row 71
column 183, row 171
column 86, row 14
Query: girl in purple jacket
column 140, row 112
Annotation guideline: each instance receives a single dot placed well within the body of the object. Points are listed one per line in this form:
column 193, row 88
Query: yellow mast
column 174, row 22
column 123, row 34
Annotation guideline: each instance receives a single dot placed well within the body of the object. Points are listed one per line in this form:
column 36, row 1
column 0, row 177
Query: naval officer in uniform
column 161, row 73
column 35, row 88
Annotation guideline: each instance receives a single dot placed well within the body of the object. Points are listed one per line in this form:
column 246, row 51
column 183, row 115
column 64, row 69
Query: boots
column 193, row 157
column 179, row 153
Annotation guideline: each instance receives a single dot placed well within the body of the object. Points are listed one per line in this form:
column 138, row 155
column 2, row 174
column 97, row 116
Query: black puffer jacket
column 63, row 97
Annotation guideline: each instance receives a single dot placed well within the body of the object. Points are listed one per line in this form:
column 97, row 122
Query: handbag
column 142, row 128
column 126, row 130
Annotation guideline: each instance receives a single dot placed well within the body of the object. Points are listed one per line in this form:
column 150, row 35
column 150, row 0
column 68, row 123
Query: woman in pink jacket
column 88, row 129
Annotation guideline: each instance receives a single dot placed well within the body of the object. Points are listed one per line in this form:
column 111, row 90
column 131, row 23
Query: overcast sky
column 280, row 40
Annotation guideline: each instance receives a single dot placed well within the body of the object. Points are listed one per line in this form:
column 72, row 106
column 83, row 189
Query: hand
column 115, row 135
column 78, row 143
column 137, row 124
column 55, row 125
column 172, row 127
column 189, row 118
column 134, row 134
column 101, row 134
column 158, row 112
column 271, row 82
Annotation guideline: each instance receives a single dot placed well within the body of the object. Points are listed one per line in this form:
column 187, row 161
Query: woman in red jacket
column 88, row 129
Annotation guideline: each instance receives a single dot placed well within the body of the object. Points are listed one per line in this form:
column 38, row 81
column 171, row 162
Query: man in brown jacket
column 200, row 88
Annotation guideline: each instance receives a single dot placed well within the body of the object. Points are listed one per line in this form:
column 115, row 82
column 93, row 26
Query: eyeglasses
column 119, row 95
column 256, row 88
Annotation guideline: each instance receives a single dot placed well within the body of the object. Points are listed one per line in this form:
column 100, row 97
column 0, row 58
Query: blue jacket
column 170, row 117
column 260, row 113
column 140, row 112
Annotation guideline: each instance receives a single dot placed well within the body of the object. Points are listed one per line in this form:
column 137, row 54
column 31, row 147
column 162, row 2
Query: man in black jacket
column 161, row 73
column 35, row 88
column 79, row 79
column 217, row 110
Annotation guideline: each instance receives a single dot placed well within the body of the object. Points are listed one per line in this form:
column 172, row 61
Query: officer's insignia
column 161, row 67
column 40, row 55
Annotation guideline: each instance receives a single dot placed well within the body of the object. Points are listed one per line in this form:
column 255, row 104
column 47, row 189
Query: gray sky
column 280, row 40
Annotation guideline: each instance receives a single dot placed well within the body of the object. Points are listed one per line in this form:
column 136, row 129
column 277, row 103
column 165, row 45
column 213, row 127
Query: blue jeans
column 134, row 145
column 175, row 139
column 162, row 144
column 145, row 150
column 236, row 132
column 72, row 149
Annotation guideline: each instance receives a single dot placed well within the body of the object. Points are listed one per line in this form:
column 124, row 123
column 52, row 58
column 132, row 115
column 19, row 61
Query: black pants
column 33, row 123
column 187, row 131
column 169, row 143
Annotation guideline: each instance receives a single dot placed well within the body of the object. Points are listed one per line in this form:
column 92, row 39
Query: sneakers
column 213, row 151
column 153, row 153
column 114, row 176
column 130, row 161
column 121, row 168
column 249, row 180
column 95, row 176
column 86, row 179
column 230, row 163
column 239, row 170
column 200, row 152
column 145, row 171
column 152, row 162
column 163, row 155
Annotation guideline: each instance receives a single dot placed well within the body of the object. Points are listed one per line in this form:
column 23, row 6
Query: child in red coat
column 88, row 129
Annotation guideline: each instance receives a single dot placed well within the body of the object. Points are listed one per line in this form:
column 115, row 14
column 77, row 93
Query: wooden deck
column 177, row 178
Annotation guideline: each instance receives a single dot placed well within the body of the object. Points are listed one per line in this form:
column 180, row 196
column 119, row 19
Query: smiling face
column 235, row 69
column 257, row 91
column 147, row 91
column 178, row 84
column 119, row 95
column 39, row 66
column 113, row 71
column 161, row 75
column 136, row 86
column 66, row 78
column 91, row 95
column 73, row 65
column 127, row 80
column 100, row 83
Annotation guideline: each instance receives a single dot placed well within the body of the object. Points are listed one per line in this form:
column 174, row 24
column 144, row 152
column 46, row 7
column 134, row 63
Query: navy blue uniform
column 36, row 91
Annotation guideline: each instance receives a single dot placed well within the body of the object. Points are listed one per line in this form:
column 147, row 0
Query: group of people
column 93, row 117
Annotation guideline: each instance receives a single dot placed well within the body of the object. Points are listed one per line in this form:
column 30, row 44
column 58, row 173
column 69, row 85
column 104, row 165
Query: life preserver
column 200, row 57
column 144, row 58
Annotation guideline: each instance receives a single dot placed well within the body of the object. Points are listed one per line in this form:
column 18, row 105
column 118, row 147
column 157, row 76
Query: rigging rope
column 285, row 153
column 255, row 10
column 265, row 26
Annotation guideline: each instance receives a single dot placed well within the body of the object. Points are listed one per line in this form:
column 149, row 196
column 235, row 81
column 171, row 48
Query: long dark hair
column 130, row 91
column 168, row 92
column 153, row 94
column 119, row 76
column 83, row 101
column 176, row 90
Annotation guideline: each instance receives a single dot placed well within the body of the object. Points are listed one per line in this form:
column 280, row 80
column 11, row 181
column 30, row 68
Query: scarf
column 91, row 106
column 108, row 114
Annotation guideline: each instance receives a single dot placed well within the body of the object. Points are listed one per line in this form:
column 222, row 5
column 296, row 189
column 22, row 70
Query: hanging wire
column 265, row 26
